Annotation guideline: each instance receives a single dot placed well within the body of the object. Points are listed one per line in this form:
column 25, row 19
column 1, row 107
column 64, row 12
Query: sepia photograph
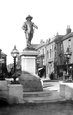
column 36, row 57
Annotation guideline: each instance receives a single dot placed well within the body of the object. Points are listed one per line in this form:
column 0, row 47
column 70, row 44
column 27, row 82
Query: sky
column 51, row 16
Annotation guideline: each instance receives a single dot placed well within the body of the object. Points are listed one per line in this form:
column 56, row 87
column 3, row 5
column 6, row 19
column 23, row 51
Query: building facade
column 50, row 45
column 52, row 54
column 63, row 51
column 3, row 64
column 45, row 59
column 41, row 60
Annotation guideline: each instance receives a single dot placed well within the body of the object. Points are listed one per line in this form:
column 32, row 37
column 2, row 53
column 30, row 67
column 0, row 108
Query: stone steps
column 42, row 99
column 37, row 94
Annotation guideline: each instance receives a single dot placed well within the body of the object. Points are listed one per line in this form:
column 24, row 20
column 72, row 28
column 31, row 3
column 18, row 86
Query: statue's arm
column 35, row 26
column 24, row 26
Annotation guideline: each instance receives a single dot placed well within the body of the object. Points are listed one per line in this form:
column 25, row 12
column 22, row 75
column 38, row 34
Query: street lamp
column 14, row 54
column 67, row 56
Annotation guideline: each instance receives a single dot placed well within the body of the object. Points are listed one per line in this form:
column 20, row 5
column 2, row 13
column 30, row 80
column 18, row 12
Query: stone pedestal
column 3, row 89
column 66, row 90
column 28, row 60
column 30, row 82
column 15, row 93
column 3, row 85
column 28, row 64
column 28, row 78
column 62, row 89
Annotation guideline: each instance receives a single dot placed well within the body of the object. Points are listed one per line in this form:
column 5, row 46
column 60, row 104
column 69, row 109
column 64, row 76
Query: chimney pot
column 68, row 30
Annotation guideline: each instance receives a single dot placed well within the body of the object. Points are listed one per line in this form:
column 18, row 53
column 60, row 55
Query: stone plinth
column 15, row 93
column 66, row 90
column 28, row 64
column 62, row 89
column 3, row 85
column 28, row 60
column 4, row 90
column 30, row 82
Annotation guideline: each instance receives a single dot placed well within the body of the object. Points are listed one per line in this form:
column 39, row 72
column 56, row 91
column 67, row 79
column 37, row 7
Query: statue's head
column 29, row 17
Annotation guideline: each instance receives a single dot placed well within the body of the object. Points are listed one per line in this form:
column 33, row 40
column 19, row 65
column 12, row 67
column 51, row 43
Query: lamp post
column 67, row 56
column 14, row 54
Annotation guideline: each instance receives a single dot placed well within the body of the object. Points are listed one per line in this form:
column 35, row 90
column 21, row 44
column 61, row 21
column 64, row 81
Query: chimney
column 68, row 30
column 0, row 53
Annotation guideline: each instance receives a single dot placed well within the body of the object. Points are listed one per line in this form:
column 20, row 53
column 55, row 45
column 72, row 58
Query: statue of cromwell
column 28, row 28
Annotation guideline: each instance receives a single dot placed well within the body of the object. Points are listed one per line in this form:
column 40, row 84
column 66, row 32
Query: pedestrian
column 64, row 75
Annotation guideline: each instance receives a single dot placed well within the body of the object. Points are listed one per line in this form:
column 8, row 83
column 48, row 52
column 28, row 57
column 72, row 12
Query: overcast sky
column 51, row 16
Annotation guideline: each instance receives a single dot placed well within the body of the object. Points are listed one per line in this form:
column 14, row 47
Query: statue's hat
column 29, row 17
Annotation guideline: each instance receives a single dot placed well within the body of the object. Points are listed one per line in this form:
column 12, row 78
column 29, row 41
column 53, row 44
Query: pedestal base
column 15, row 93
column 31, row 83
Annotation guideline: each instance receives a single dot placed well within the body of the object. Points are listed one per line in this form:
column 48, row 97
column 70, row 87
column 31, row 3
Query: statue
column 28, row 27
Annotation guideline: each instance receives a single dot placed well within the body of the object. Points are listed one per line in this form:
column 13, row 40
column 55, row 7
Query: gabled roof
column 58, row 38
column 68, row 36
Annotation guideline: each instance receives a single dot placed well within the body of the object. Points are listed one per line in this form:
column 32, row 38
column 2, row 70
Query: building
column 3, row 63
column 45, row 59
column 59, row 52
column 50, row 45
column 63, row 48
column 41, row 59
column 68, row 50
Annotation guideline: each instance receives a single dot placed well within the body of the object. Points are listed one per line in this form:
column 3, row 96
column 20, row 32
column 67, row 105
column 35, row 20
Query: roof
column 50, row 42
column 3, row 54
column 40, row 45
column 58, row 38
column 34, row 45
column 68, row 36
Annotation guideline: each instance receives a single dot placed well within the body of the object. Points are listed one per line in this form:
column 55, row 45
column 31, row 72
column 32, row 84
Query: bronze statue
column 29, row 26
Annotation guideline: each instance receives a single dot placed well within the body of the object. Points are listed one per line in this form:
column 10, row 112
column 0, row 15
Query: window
column 61, row 46
column 50, row 53
column 47, row 54
column 55, row 47
column 69, row 43
column 55, row 54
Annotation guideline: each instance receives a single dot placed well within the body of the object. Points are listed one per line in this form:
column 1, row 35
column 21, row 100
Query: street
column 47, row 108
column 57, row 108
